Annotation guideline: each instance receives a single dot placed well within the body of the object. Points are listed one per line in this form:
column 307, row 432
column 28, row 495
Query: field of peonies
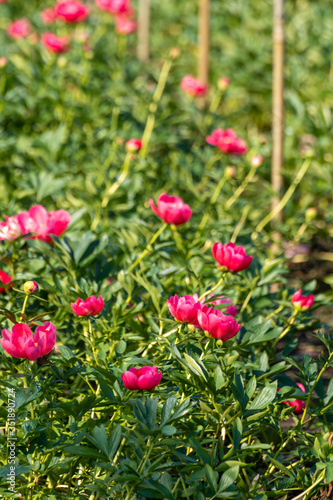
column 155, row 338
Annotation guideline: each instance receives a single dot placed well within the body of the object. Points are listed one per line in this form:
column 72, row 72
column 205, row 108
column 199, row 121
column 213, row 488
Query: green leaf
column 237, row 432
column 195, row 367
column 265, row 397
column 169, row 430
column 167, row 409
column 228, row 478
column 210, row 475
column 219, row 379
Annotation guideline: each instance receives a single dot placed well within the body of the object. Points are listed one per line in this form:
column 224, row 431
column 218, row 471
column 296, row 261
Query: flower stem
column 286, row 330
column 24, row 303
column 118, row 183
column 220, row 281
column 240, row 189
column 148, row 247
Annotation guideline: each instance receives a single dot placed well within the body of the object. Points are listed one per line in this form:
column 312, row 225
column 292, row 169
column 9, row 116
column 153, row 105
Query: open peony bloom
column 120, row 7
column 42, row 223
column 298, row 404
column 19, row 29
column 22, row 343
column 184, row 309
column 227, row 141
column 230, row 257
column 216, row 324
column 171, row 209
column 125, row 25
column 10, row 230
column 142, row 379
column 48, row 15
column 193, row 87
column 54, row 43
column 301, row 302
column 5, row 279
column 89, row 307
column 133, row 145
column 71, row 11
column 230, row 309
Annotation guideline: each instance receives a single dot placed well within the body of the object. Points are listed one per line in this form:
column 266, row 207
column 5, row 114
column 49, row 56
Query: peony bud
column 302, row 302
column 310, row 213
column 223, row 83
column 3, row 61
column 174, row 52
column 230, row 171
column 256, row 161
column 133, row 145
column 30, row 287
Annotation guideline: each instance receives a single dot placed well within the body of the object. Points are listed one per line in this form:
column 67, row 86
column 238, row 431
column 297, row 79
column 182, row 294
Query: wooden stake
column 203, row 41
column 278, row 101
column 143, row 30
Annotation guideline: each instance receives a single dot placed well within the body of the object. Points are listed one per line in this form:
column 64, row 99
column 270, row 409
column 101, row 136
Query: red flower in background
column 48, row 15
column 19, row 29
column 42, row 223
column 230, row 257
column 5, row 279
column 124, row 25
column 71, row 11
column 54, row 43
column 89, row 307
column 10, row 230
column 193, row 87
column 171, row 209
column 298, row 404
column 217, row 324
column 227, row 141
column 302, row 302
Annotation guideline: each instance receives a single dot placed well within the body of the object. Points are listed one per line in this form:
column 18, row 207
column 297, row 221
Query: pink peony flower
column 298, row 404
column 19, row 29
column 217, row 324
column 42, row 223
column 231, row 309
column 21, row 343
column 227, row 141
column 54, row 43
column 10, row 230
column 5, row 279
column 193, row 87
column 124, row 24
column 184, row 309
column 256, row 161
column 142, row 379
column 103, row 4
column 48, row 15
column 133, row 145
column 89, row 307
column 171, row 209
column 302, row 302
column 71, row 11
column 230, row 257
column 120, row 7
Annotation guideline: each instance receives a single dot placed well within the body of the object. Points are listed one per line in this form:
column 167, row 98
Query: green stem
column 112, row 189
column 24, row 303
column 240, row 189
column 220, row 281
column 286, row 330
column 148, row 247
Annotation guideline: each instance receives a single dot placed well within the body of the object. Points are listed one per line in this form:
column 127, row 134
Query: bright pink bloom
column 48, row 15
column 133, row 145
column 231, row 309
column 103, row 4
column 42, row 223
column 19, row 29
column 230, row 257
column 10, row 230
column 5, row 279
column 301, row 302
column 89, row 307
column 298, row 404
column 193, row 87
column 3, row 1
column 21, row 343
column 54, row 43
column 227, row 141
column 256, row 161
column 124, row 25
column 184, row 309
column 171, row 209
column 217, row 324
column 142, row 379
column 120, row 7
column 71, row 11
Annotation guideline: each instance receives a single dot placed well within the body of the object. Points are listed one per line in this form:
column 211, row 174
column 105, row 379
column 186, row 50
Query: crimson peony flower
column 5, row 279
column 54, row 43
column 22, row 343
column 133, row 145
column 19, row 29
column 231, row 309
column 302, row 302
column 230, row 257
column 142, row 379
column 10, row 230
column 193, row 87
column 227, row 141
column 89, row 307
column 71, row 11
column 124, row 25
column 42, row 223
column 48, row 15
column 171, row 209
column 217, row 324
column 298, row 404
column 120, row 7
column 184, row 309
